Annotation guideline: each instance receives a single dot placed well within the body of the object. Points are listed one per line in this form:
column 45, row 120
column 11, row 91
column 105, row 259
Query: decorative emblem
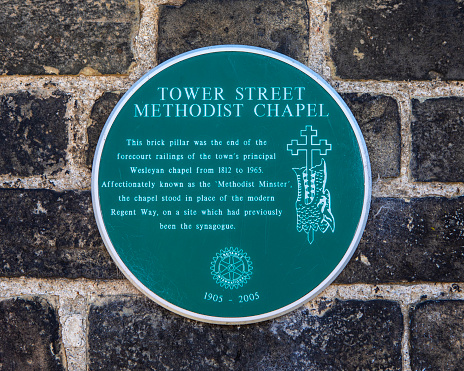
column 313, row 212
column 231, row 268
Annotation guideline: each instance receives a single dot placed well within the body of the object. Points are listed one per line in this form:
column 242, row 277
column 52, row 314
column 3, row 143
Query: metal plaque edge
column 232, row 320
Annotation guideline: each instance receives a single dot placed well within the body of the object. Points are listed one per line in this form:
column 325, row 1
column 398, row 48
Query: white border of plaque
column 232, row 320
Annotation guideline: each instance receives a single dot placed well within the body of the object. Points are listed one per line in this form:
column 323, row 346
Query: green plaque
column 231, row 184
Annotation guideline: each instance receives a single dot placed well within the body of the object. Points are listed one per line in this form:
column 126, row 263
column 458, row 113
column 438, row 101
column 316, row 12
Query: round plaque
column 231, row 184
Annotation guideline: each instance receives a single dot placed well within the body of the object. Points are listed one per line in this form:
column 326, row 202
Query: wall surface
column 399, row 303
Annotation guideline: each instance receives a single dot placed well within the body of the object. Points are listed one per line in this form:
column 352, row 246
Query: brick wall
column 399, row 303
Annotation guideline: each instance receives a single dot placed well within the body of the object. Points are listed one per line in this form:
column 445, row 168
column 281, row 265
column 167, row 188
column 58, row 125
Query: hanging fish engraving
column 313, row 207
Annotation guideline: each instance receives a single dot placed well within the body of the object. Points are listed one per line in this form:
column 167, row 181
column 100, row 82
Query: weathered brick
column 51, row 234
column 398, row 40
column 98, row 116
column 282, row 26
column 419, row 240
column 33, row 134
column 350, row 335
column 437, row 137
column 29, row 339
column 437, row 335
column 379, row 119
column 39, row 37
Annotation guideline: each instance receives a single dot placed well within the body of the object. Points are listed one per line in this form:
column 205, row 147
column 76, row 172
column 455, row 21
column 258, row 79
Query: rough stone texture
column 98, row 116
column 379, row 120
column 437, row 137
column 282, row 26
column 351, row 335
column 437, row 335
column 51, row 234
column 419, row 240
column 33, row 134
column 29, row 336
column 398, row 40
column 63, row 37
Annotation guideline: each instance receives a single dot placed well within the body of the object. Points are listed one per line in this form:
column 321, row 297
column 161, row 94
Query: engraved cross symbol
column 309, row 146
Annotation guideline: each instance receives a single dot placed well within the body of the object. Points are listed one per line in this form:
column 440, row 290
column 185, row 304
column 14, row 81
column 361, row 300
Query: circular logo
column 231, row 268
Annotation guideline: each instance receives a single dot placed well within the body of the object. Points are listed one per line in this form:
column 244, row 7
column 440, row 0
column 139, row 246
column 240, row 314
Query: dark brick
column 379, row 119
column 437, row 137
column 100, row 112
column 33, row 134
column 51, row 234
column 419, row 240
column 437, row 335
column 282, row 26
column 398, row 40
column 67, row 36
column 351, row 335
column 29, row 339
